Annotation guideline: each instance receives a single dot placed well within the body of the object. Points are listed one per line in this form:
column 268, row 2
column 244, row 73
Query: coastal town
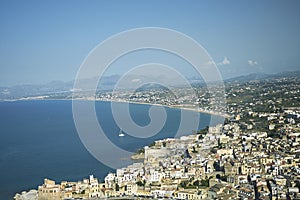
column 254, row 154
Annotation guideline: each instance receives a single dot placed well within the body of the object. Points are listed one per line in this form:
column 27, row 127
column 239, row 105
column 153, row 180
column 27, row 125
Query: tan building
column 191, row 194
column 49, row 190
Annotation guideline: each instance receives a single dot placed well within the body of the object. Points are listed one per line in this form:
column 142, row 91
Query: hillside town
column 255, row 154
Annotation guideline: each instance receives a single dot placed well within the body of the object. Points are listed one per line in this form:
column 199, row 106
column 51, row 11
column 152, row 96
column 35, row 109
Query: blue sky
column 41, row 41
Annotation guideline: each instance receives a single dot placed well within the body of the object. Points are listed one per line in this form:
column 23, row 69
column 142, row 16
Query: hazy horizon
column 119, row 75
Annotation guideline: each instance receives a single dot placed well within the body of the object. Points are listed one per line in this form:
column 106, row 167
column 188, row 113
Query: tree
column 196, row 183
column 141, row 150
column 205, row 182
column 297, row 184
column 152, row 144
column 224, row 178
column 140, row 183
column 203, row 131
column 217, row 166
column 183, row 184
column 200, row 137
column 117, row 187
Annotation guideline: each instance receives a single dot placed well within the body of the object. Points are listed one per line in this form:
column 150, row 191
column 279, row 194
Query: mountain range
column 61, row 89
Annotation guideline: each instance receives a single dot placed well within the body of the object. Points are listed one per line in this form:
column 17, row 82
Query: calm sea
column 38, row 140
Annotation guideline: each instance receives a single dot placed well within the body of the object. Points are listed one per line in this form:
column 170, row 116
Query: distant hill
column 287, row 74
column 247, row 78
column 262, row 76
column 60, row 89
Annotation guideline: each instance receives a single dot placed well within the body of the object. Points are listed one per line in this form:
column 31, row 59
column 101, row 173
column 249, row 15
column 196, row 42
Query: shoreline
column 193, row 109
column 198, row 110
column 134, row 157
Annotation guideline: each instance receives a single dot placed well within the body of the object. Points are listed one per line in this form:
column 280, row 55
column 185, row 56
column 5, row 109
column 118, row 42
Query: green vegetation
column 200, row 137
column 204, row 182
column 297, row 184
column 152, row 144
column 117, row 187
column 191, row 184
column 203, row 131
column 141, row 183
column 140, row 151
column 184, row 184
column 224, row 178
column 196, row 183
column 274, row 134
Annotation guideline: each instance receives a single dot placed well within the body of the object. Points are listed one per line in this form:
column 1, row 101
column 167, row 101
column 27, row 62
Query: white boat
column 121, row 134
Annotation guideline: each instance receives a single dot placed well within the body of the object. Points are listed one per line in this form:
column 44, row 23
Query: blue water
column 38, row 140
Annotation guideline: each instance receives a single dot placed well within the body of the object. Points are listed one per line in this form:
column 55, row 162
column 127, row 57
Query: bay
column 38, row 140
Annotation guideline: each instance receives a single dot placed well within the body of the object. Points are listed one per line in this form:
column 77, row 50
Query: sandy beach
column 194, row 109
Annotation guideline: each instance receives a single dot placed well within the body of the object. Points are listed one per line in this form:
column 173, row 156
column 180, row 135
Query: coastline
column 199, row 110
column 191, row 108
column 138, row 156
